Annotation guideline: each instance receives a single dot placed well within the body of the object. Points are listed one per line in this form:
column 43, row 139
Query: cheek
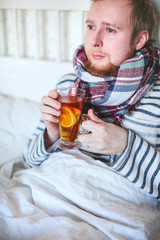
column 87, row 49
column 120, row 54
column 86, row 42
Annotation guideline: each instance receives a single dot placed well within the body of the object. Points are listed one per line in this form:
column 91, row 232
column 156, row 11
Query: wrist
column 120, row 157
column 49, row 138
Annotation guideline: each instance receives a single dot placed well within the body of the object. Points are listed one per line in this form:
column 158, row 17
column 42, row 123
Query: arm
column 132, row 156
column 140, row 163
column 46, row 133
column 36, row 152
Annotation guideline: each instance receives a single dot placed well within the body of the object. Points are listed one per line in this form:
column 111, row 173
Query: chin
column 99, row 65
column 101, row 70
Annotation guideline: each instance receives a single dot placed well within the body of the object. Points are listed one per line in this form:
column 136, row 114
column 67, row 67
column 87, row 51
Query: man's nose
column 97, row 40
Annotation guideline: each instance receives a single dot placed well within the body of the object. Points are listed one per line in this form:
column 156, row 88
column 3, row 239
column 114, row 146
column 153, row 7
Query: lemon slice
column 76, row 112
column 67, row 117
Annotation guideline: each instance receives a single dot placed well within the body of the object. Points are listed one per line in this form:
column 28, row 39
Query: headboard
column 37, row 42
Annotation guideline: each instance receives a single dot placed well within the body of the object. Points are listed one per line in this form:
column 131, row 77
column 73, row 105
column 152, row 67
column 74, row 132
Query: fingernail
column 58, row 113
column 56, row 120
column 58, row 106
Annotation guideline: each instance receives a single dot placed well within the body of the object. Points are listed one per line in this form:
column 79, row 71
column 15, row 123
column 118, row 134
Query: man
column 119, row 68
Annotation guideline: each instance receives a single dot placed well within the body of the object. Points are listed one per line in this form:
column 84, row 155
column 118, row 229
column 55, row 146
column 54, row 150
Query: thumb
column 93, row 117
column 73, row 90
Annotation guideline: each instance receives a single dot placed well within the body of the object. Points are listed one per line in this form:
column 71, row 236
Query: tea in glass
column 71, row 110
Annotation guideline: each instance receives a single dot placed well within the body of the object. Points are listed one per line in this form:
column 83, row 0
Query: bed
column 66, row 197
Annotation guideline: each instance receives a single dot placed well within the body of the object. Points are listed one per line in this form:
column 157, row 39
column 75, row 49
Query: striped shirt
column 140, row 160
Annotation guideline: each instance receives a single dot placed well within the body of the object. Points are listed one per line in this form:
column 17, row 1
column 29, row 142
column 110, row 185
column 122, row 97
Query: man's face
column 108, row 34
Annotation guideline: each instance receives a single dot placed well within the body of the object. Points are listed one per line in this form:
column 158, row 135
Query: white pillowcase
column 18, row 116
column 18, row 120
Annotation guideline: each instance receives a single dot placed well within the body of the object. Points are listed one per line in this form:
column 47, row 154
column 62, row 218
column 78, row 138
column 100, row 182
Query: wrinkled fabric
column 113, row 97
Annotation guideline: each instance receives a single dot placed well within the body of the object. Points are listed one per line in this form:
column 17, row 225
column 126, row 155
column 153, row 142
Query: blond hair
column 142, row 16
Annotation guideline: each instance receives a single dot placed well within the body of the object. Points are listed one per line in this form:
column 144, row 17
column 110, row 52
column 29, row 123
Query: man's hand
column 104, row 138
column 50, row 110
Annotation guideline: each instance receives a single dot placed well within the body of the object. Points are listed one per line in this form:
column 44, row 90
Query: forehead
column 116, row 11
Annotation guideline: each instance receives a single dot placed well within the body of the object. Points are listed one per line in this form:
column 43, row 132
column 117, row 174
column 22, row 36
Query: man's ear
column 141, row 39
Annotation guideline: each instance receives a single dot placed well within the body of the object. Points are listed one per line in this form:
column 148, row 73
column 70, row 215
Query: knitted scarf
column 113, row 97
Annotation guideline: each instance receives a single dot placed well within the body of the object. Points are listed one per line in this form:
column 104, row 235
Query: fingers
column 94, row 140
column 50, row 107
column 90, row 142
column 50, row 114
column 73, row 90
column 85, row 138
column 53, row 94
column 93, row 117
column 51, row 100
column 105, row 138
column 50, row 110
column 93, row 124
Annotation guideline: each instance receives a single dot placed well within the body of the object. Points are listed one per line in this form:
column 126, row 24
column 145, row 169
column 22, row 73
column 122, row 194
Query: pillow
column 18, row 116
column 18, row 120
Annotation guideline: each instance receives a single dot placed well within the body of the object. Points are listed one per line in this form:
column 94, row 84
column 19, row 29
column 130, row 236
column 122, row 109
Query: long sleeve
column 140, row 163
column 35, row 152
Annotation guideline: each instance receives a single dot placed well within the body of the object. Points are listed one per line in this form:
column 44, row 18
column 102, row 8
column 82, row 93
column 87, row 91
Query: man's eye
column 110, row 30
column 90, row 27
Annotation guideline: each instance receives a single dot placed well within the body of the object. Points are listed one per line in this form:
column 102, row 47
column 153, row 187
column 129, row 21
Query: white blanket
column 72, row 196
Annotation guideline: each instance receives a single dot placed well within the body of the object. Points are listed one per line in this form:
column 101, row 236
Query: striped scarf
column 113, row 97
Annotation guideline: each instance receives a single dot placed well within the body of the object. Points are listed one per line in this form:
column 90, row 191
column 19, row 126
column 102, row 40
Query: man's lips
column 97, row 56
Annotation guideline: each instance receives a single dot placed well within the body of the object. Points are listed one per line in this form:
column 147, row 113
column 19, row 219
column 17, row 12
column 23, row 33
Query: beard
column 105, row 70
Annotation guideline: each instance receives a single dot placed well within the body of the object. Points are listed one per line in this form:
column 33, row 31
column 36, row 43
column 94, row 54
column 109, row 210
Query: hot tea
column 69, row 120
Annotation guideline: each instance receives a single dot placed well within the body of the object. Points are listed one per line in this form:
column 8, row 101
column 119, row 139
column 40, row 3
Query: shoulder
column 67, row 80
column 145, row 120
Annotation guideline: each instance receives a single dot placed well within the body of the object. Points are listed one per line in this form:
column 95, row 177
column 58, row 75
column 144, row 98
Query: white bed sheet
column 70, row 196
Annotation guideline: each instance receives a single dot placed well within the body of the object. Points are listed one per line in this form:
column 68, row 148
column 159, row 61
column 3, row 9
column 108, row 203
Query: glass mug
column 72, row 100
